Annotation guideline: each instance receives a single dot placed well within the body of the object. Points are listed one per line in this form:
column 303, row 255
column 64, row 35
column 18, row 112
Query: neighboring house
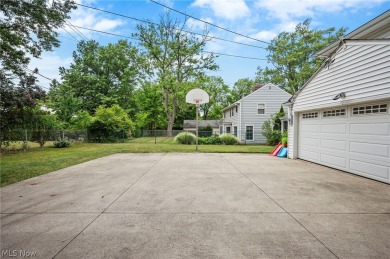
column 245, row 117
column 340, row 117
column 190, row 125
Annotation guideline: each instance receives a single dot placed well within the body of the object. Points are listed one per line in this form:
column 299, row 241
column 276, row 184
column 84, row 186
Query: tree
column 291, row 55
column 101, row 75
column 64, row 101
column 17, row 106
column 26, row 29
column 44, row 126
column 150, row 108
column 218, row 92
column 110, row 124
column 177, row 58
column 240, row 89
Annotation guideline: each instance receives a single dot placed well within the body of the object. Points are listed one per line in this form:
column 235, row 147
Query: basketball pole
column 196, row 141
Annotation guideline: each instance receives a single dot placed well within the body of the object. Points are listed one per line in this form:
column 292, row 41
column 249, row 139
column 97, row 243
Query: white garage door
column 355, row 139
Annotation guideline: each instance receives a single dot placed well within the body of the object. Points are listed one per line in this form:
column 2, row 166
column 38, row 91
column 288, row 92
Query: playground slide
column 283, row 152
column 276, row 150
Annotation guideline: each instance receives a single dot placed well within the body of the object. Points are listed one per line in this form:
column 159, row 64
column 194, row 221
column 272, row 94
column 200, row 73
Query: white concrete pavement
column 196, row 205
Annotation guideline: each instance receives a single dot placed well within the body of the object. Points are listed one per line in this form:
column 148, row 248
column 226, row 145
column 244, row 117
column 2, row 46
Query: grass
column 37, row 161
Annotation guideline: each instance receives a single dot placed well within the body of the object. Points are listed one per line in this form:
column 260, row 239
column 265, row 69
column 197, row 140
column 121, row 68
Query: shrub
column 273, row 136
column 205, row 131
column 61, row 144
column 228, row 139
column 210, row 141
column 185, row 138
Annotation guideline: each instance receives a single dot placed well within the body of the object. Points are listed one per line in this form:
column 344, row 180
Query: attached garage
column 340, row 117
column 351, row 138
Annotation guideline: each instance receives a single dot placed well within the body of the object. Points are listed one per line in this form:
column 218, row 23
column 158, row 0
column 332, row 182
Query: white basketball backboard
column 197, row 96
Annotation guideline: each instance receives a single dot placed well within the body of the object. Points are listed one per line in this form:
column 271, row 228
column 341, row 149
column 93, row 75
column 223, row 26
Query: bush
column 185, row 138
column 210, row 141
column 229, row 139
column 205, row 131
column 273, row 136
column 61, row 144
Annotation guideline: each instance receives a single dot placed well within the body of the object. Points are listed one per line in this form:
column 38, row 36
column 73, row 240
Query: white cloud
column 107, row 25
column 285, row 10
column 230, row 9
column 48, row 66
column 195, row 24
column 92, row 19
column 264, row 35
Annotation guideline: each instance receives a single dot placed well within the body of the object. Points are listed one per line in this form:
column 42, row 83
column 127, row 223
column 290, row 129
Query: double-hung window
column 249, row 133
column 261, row 108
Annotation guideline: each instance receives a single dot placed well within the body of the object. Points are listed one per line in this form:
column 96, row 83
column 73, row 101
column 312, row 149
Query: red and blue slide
column 276, row 150
column 283, row 152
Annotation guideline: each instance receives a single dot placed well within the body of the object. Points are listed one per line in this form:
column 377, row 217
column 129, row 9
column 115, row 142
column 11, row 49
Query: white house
column 245, row 117
column 340, row 117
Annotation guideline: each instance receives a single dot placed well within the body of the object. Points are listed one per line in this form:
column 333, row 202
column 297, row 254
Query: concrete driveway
column 196, row 206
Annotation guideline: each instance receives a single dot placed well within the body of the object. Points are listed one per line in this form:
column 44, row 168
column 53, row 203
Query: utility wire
column 229, row 55
column 79, row 31
column 70, row 34
column 219, row 27
column 118, row 35
column 150, row 22
column 75, row 30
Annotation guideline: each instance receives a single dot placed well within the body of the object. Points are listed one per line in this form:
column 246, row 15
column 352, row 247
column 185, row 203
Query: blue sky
column 260, row 19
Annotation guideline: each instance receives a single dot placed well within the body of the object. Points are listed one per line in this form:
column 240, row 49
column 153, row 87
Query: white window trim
column 257, row 109
column 253, row 132
column 235, row 126
column 334, row 117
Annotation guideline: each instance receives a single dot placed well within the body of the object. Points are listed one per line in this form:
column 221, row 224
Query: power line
column 71, row 34
column 76, row 30
column 219, row 27
column 150, row 22
column 118, row 35
column 236, row 56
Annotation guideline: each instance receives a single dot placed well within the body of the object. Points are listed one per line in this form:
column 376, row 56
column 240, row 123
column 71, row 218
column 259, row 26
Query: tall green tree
column 240, row 89
column 177, row 58
column 150, row 112
column 27, row 28
column 218, row 92
column 102, row 75
column 291, row 55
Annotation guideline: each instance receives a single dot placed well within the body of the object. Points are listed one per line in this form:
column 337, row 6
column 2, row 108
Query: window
column 334, row 113
column 310, row 115
column 260, row 108
column 227, row 129
column 236, row 109
column 235, row 131
column 249, row 133
column 369, row 109
column 232, row 111
column 220, row 129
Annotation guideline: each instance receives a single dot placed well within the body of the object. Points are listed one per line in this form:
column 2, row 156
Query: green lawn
column 38, row 161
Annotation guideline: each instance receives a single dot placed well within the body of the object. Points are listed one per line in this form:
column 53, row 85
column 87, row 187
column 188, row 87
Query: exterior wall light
column 340, row 95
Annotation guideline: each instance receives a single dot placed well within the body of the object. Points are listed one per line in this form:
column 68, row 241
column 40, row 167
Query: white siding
column 270, row 95
column 362, row 72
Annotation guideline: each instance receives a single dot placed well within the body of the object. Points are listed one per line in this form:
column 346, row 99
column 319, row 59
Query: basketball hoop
column 197, row 96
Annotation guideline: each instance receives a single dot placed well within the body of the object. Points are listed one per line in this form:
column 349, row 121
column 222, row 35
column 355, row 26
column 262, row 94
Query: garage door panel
column 310, row 128
column 310, row 155
column 368, row 169
column 373, row 149
column 334, row 128
column 313, row 142
column 333, row 160
column 334, row 144
column 381, row 129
